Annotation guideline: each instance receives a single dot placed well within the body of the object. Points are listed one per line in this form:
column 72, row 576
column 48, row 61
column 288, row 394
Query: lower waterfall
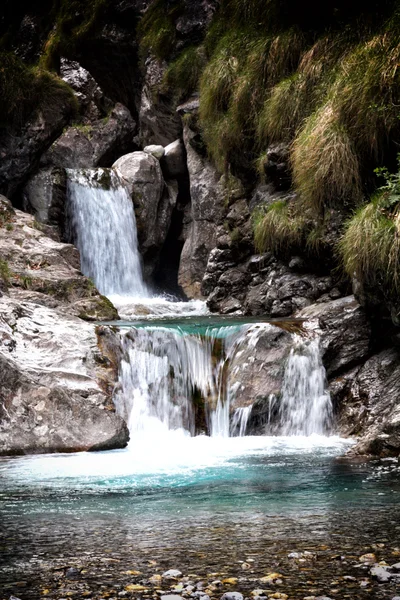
column 173, row 381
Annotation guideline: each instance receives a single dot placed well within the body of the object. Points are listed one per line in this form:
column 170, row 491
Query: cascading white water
column 103, row 227
column 164, row 371
column 240, row 419
column 305, row 405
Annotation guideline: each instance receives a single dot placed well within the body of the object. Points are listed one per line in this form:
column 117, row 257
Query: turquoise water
column 293, row 476
column 201, row 325
column 203, row 505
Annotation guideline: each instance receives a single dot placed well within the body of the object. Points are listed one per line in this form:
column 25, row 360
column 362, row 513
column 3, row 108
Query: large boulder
column 256, row 375
column 96, row 144
column 38, row 268
column 54, row 384
column 92, row 102
column 173, row 162
column 344, row 330
column 153, row 202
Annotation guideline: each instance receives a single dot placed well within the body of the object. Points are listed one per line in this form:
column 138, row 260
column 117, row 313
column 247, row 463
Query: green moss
column 157, row 30
column 5, row 271
column 74, row 21
column 24, row 91
column 278, row 228
column 183, row 75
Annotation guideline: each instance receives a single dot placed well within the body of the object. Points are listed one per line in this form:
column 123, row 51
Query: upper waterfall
column 103, row 227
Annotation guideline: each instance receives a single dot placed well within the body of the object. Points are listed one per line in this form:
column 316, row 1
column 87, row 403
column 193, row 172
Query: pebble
column 72, row 573
column 368, row 558
column 232, row 596
column 381, row 574
column 172, row 574
column 171, row 597
column 14, row 598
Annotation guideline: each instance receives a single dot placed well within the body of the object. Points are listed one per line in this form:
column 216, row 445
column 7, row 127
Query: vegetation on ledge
column 25, row 90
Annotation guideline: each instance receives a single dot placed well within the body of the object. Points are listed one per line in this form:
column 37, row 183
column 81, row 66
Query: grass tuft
column 369, row 246
column 326, row 168
column 278, row 228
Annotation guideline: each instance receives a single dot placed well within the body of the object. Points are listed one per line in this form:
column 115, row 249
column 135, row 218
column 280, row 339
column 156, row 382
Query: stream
column 192, row 491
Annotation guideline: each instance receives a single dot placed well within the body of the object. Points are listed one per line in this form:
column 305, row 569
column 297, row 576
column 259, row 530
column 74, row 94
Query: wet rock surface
column 56, row 377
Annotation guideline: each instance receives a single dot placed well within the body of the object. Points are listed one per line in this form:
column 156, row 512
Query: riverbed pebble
column 368, row 558
column 381, row 574
column 232, row 596
column 172, row 574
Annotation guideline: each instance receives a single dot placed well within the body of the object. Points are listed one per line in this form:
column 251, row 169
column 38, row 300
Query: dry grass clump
column 326, row 169
column 367, row 93
column 234, row 84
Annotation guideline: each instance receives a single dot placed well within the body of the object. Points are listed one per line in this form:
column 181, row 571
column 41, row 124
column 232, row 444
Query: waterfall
column 167, row 377
column 103, row 227
column 305, row 405
column 239, row 420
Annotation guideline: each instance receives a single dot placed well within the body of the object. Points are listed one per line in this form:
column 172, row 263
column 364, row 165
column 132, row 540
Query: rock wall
column 195, row 219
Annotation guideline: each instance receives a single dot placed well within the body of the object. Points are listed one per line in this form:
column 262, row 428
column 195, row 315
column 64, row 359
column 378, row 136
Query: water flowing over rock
column 172, row 380
column 103, row 225
column 305, row 405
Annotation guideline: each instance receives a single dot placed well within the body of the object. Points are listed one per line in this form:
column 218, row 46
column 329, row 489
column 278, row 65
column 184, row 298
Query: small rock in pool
column 171, row 597
column 72, row 573
column 381, row 574
column 14, row 598
column 232, row 596
column 396, row 567
column 172, row 574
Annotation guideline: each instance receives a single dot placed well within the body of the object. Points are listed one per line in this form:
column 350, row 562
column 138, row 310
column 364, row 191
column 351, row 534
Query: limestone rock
column 375, row 390
column 173, row 162
column 203, row 216
column 345, row 333
column 92, row 102
column 47, row 272
column 158, row 121
column 52, row 380
column 94, row 145
column 20, row 150
column 44, row 196
column 152, row 200
column 257, row 374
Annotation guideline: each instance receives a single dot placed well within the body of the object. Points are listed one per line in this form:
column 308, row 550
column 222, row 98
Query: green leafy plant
column 390, row 192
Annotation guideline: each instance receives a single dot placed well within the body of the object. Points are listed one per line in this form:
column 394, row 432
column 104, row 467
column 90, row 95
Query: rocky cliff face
column 263, row 242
